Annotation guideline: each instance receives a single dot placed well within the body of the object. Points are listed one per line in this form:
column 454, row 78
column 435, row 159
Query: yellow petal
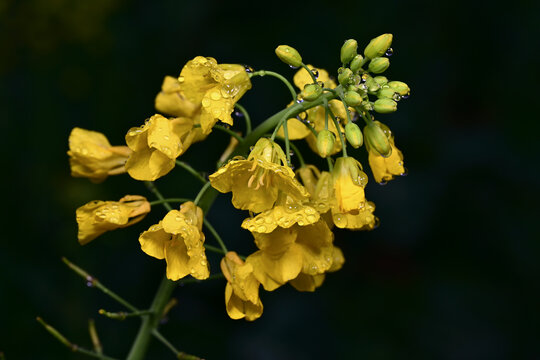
column 295, row 129
column 349, row 192
column 215, row 107
column 302, row 78
column 358, row 219
column 177, row 259
column 196, row 79
column 238, row 308
column 272, row 271
column 153, row 241
column 162, row 138
column 384, row 169
column 171, row 100
column 315, row 244
column 305, row 282
column 337, row 260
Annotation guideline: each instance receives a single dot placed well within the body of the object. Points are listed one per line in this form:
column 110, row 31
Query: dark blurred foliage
column 451, row 273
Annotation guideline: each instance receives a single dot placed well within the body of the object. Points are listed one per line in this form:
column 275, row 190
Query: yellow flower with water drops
column 92, row 156
column 386, row 168
column 242, row 289
column 156, row 145
column 256, row 181
column 170, row 100
column 285, row 213
column 286, row 252
column 306, row 282
column 97, row 217
column 214, row 87
column 179, row 239
column 358, row 219
column 349, row 182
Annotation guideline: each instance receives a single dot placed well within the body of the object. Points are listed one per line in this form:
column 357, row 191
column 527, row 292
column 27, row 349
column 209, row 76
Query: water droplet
column 192, row 270
column 396, row 97
column 321, row 84
column 406, row 96
column 206, row 102
column 314, row 268
column 301, row 223
column 377, row 223
column 389, row 52
column 291, row 153
column 203, row 262
column 311, row 218
column 178, row 218
column 259, row 220
column 251, row 228
column 251, row 148
column 261, row 229
column 383, row 182
column 405, row 172
column 315, row 73
column 216, row 113
column 215, row 95
column 238, row 114
column 282, row 219
column 363, row 87
column 90, row 284
column 248, row 69
column 293, row 67
column 181, row 79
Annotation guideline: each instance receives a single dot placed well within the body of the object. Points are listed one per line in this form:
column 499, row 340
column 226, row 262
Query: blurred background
column 451, row 273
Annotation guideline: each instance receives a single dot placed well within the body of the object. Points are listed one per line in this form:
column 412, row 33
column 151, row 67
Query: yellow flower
column 156, row 145
column 349, row 182
column 385, row 168
column 309, row 175
column 213, row 88
column 285, row 213
column 179, row 239
column 286, row 252
column 172, row 101
column 305, row 282
column 92, row 156
column 256, row 182
column 242, row 289
column 97, row 217
column 323, row 199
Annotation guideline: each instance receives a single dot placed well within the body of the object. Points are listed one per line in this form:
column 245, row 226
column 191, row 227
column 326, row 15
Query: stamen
column 250, row 181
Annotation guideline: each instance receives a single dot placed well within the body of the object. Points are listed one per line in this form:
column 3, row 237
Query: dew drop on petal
column 389, row 52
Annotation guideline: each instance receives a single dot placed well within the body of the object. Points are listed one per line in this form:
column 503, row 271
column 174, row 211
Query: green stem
column 152, row 187
column 201, row 193
column 98, row 348
column 230, row 132
column 179, row 354
column 246, row 117
column 157, row 202
column 191, row 170
column 150, row 323
column 310, row 73
column 123, row 315
column 278, row 76
column 330, row 165
column 93, row 282
column 214, row 249
column 336, row 124
column 216, row 235
column 69, row 344
column 296, row 151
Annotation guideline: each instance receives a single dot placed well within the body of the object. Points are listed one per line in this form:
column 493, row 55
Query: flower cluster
column 292, row 214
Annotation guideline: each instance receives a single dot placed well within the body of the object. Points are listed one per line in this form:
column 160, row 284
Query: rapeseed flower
column 386, row 168
column 92, row 156
column 179, row 239
column 97, row 217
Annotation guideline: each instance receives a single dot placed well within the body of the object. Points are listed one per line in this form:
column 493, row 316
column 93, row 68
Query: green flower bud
column 379, row 65
column 289, row 55
column 378, row 46
column 352, row 98
column 376, row 140
column 372, row 85
column 387, row 93
column 381, row 80
column 345, row 77
column 348, row 51
column 356, row 63
column 325, row 142
column 400, row 87
column 354, row 135
column 384, row 106
column 311, row 92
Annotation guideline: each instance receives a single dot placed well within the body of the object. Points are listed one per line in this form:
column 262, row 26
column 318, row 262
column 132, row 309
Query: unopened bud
column 352, row 98
column 348, row 51
column 376, row 140
column 372, row 85
column 354, row 135
column 400, row 87
column 311, row 92
column 289, row 55
column 384, row 106
column 387, row 93
column 356, row 63
column 378, row 46
column 325, row 142
column 381, row 80
column 379, row 65
column 345, row 77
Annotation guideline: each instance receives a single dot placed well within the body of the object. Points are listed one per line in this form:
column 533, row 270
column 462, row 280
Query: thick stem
column 150, row 323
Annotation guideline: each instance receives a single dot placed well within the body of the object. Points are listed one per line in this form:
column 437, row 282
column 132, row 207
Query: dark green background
column 451, row 273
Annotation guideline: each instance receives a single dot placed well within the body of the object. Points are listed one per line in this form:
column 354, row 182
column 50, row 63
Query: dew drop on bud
column 389, row 52
column 315, row 73
column 396, row 97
